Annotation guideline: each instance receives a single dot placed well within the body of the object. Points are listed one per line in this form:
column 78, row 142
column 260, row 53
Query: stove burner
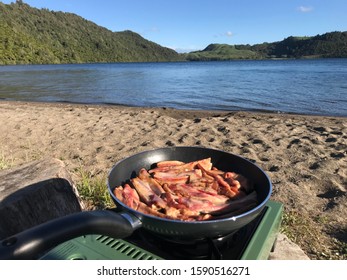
column 230, row 246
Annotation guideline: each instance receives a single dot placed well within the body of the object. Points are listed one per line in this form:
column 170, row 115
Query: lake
column 317, row 87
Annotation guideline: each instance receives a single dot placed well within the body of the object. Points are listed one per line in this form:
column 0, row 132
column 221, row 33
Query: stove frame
column 100, row 247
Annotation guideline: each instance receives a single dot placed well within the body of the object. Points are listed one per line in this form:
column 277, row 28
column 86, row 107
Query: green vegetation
column 307, row 233
column 93, row 190
column 39, row 36
column 5, row 162
column 222, row 52
column 329, row 45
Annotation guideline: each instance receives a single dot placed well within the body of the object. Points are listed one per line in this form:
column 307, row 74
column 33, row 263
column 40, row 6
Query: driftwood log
column 34, row 193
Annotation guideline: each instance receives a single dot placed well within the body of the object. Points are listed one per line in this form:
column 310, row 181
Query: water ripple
column 293, row 86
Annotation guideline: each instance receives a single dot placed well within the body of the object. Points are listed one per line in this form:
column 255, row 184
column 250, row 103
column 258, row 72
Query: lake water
column 316, row 87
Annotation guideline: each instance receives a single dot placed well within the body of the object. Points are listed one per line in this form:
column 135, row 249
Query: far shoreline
column 176, row 61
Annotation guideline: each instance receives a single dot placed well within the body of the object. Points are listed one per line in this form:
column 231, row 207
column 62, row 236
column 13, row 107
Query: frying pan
column 123, row 221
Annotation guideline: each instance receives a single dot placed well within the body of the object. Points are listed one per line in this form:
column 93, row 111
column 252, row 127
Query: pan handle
column 34, row 242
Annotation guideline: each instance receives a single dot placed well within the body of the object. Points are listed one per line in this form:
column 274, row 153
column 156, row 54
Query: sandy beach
column 305, row 156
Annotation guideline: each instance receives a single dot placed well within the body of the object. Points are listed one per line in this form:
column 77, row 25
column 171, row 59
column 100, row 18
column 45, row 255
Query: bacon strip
column 224, row 187
column 146, row 194
column 153, row 184
column 232, row 209
column 187, row 191
column 176, row 178
column 180, row 168
column 169, row 163
column 128, row 196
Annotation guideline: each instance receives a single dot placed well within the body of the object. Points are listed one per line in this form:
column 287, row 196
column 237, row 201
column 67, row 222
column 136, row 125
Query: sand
column 305, row 156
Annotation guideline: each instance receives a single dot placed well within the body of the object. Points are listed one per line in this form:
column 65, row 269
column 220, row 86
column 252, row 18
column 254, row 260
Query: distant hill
column 39, row 36
column 222, row 52
column 328, row 45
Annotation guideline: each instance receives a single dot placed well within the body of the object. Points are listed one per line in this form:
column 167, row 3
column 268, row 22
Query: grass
column 93, row 190
column 5, row 162
column 307, row 234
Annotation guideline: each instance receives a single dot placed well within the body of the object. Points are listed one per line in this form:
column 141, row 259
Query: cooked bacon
column 146, row 194
column 163, row 177
column 118, row 192
column 180, row 168
column 169, row 163
column 224, row 187
column 143, row 208
column 245, row 183
column 153, row 184
column 177, row 178
column 189, row 191
column 205, row 163
column 128, row 196
column 237, row 207
column 193, row 191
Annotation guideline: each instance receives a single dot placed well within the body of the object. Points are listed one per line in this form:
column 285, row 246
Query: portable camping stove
column 254, row 241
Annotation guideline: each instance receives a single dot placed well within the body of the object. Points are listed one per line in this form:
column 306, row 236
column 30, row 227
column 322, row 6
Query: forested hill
column 328, row 45
column 39, row 36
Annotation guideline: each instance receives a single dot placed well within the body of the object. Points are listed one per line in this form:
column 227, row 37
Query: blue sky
column 187, row 25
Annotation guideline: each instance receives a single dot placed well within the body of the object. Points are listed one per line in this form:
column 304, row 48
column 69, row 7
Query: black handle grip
column 34, row 242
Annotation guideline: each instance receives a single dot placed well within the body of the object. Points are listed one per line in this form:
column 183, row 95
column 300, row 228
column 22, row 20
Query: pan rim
column 141, row 215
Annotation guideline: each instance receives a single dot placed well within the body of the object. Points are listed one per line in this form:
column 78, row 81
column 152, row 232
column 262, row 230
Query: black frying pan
column 33, row 242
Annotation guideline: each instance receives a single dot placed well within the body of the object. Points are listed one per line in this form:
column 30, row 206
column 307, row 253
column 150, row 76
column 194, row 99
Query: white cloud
column 227, row 34
column 305, row 9
column 155, row 29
